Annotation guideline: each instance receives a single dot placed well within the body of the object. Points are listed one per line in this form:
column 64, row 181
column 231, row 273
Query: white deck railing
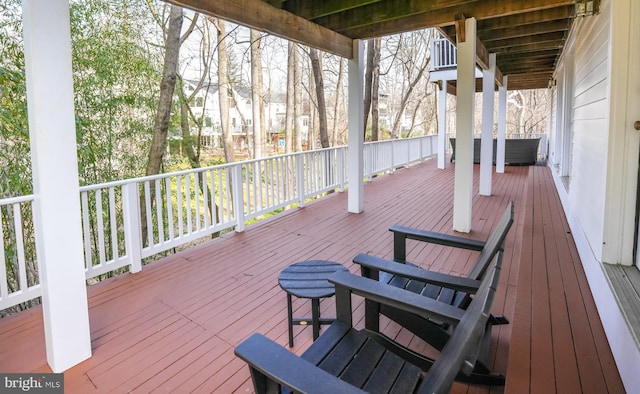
column 126, row 221
column 19, row 281
column 443, row 54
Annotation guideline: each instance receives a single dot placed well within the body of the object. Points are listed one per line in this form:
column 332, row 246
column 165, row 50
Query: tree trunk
column 256, row 94
column 167, row 87
column 298, row 108
column 395, row 132
column 289, row 116
column 368, row 83
column 224, row 87
column 336, row 108
column 375, row 84
column 316, row 65
column 187, row 138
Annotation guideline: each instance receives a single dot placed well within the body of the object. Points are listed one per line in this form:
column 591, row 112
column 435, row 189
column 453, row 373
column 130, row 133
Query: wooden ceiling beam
column 529, row 81
column 525, row 40
column 520, row 69
column 551, row 14
column 524, row 30
column 564, row 13
column 316, row 9
column 446, row 16
column 262, row 16
column 393, row 12
column 522, row 50
column 549, row 53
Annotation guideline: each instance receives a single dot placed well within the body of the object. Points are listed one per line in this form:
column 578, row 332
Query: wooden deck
column 173, row 327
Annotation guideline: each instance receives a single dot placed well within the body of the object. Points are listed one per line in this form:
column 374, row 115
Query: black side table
column 308, row 279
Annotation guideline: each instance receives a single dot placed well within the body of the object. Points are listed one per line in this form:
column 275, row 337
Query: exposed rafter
column 264, row 17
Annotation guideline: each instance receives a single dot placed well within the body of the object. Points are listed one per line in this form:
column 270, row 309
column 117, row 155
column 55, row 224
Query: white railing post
column 341, row 168
column 408, row 153
column 132, row 227
column 300, row 178
column 393, row 156
column 238, row 197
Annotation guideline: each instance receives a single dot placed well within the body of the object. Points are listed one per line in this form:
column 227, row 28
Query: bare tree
column 371, row 84
column 224, row 90
column 289, row 115
column 336, row 106
column 375, row 87
column 411, row 61
column 167, row 87
column 298, row 107
column 257, row 94
column 316, row 65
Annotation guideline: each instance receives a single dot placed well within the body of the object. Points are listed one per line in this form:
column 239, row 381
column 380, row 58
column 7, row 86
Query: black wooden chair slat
column 341, row 355
column 328, row 340
column 364, row 365
column 431, row 291
column 407, row 380
column 384, row 377
column 415, row 286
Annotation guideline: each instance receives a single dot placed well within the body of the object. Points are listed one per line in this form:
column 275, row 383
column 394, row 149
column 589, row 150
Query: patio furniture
column 517, row 151
column 449, row 289
column 346, row 360
column 308, row 279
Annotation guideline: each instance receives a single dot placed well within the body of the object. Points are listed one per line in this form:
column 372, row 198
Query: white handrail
column 128, row 220
column 19, row 281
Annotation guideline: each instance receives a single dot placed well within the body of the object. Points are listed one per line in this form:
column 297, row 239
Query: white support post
column 442, row 125
column 238, row 196
column 465, row 120
column 486, row 146
column 57, row 218
column 356, row 129
column 502, row 125
column 132, row 225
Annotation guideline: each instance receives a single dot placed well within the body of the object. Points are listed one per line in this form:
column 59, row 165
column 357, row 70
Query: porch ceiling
column 527, row 35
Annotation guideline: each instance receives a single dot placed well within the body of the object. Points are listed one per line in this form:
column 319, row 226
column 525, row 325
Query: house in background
column 206, row 104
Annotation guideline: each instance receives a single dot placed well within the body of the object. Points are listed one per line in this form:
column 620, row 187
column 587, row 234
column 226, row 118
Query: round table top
column 308, row 279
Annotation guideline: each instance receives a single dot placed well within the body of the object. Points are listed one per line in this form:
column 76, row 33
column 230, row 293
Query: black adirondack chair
column 346, row 360
column 449, row 289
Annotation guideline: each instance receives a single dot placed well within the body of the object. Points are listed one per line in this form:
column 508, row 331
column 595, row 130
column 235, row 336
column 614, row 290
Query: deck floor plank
column 173, row 326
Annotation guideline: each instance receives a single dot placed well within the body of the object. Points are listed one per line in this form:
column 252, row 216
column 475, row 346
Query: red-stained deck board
column 173, row 326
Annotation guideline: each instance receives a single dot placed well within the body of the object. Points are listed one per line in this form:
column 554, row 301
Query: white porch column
column 486, row 147
column 356, row 129
column 465, row 119
column 47, row 47
column 502, row 125
column 442, row 125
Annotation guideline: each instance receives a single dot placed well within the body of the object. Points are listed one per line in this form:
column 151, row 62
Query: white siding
column 590, row 125
column 552, row 124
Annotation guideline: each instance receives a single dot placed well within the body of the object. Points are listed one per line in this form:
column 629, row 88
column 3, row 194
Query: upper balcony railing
column 126, row 221
column 443, row 54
